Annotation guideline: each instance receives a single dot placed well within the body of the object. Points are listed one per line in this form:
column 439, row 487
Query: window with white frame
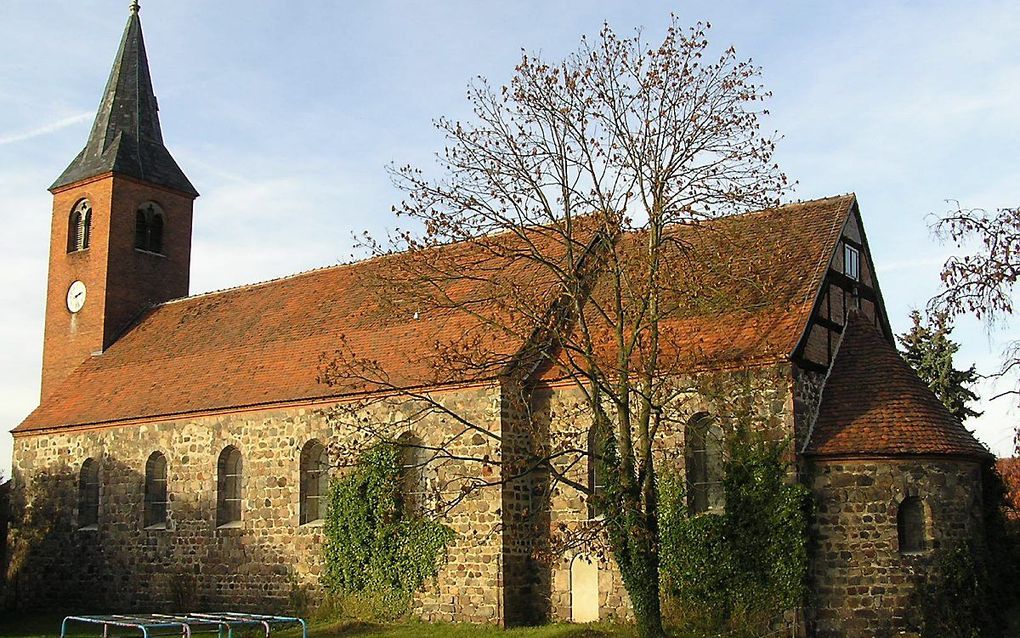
column 851, row 262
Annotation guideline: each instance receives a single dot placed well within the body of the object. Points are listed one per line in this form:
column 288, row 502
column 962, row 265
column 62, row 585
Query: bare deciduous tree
column 557, row 244
column 980, row 280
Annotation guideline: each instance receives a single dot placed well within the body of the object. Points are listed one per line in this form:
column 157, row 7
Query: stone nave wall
column 494, row 572
column 121, row 565
column 860, row 580
column 764, row 396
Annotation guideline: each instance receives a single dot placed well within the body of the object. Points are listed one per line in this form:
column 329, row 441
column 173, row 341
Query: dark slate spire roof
column 874, row 404
column 126, row 137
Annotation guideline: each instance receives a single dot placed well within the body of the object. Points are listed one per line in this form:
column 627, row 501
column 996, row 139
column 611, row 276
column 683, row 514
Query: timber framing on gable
column 837, row 294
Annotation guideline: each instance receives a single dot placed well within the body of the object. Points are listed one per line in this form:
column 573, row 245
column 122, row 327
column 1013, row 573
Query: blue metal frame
column 223, row 623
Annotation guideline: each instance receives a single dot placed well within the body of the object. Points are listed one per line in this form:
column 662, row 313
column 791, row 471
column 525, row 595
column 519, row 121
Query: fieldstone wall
column 761, row 398
column 807, row 394
column 516, row 540
column 572, row 532
column 860, row 580
column 193, row 564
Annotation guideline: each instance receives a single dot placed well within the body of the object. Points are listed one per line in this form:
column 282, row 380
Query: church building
column 179, row 451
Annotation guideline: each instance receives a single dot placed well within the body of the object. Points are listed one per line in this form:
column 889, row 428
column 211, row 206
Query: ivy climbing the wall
column 374, row 545
column 738, row 570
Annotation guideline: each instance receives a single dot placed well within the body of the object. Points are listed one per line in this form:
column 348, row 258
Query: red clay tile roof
column 873, row 403
column 739, row 290
column 263, row 344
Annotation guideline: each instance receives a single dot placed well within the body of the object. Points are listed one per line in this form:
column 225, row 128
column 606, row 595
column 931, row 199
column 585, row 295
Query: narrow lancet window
column 413, row 458
column 703, row 464
column 313, row 482
column 596, row 446
column 88, row 495
column 155, row 491
column 228, row 487
column 910, row 525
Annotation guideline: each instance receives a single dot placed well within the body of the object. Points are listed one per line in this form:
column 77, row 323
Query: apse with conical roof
column 874, row 404
column 126, row 138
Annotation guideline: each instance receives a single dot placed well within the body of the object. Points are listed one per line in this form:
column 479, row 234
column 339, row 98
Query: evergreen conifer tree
column 928, row 349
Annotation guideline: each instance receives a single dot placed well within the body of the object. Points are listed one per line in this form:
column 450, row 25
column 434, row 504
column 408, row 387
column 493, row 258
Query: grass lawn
column 39, row 626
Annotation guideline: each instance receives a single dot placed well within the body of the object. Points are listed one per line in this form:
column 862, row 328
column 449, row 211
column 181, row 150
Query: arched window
column 88, row 495
column 149, row 221
column 228, row 487
column 910, row 525
column 596, row 446
column 79, row 227
column 155, row 491
column 703, row 464
column 156, row 234
column 413, row 458
column 313, row 481
column 141, row 230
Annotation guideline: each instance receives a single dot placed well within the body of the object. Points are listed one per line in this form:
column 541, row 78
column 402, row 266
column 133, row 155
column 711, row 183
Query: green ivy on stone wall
column 372, row 545
column 748, row 564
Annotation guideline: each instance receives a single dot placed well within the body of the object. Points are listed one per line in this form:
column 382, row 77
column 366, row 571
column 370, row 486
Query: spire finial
column 135, row 7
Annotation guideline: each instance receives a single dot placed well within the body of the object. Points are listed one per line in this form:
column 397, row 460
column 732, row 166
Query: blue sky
column 285, row 114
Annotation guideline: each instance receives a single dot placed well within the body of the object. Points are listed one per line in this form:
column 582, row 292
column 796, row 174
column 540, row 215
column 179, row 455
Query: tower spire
column 126, row 136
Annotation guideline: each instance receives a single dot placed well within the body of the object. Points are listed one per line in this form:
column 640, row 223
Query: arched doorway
column 584, row 589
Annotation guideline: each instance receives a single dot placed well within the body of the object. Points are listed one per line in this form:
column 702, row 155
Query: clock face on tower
column 76, row 296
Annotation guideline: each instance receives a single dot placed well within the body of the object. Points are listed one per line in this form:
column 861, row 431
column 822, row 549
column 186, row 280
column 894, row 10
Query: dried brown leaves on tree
column 556, row 242
column 980, row 280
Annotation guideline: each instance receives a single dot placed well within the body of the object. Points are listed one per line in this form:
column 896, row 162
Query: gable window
column 703, row 464
column 596, row 445
column 155, row 492
column 88, row 495
column 412, row 458
column 149, row 223
column 910, row 525
column 313, row 481
column 851, row 262
column 228, row 488
column 79, row 227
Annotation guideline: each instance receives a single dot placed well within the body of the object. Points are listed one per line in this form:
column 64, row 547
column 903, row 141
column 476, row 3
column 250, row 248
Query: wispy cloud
column 911, row 264
column 21, row 136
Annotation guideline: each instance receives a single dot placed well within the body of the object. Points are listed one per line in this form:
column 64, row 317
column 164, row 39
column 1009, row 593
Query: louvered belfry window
column 228, row 487
column 149, row 226
column 79, row 227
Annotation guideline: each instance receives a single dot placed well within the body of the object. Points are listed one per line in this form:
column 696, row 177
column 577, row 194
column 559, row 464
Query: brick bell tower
column 120, row 239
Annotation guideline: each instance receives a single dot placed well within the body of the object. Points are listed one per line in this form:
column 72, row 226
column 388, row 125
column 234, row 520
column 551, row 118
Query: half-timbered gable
column 849, row 282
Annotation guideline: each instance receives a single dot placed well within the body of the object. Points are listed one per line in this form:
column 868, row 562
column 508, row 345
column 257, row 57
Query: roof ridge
column 370, row 258
column 266, row 282
column 232, row 348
